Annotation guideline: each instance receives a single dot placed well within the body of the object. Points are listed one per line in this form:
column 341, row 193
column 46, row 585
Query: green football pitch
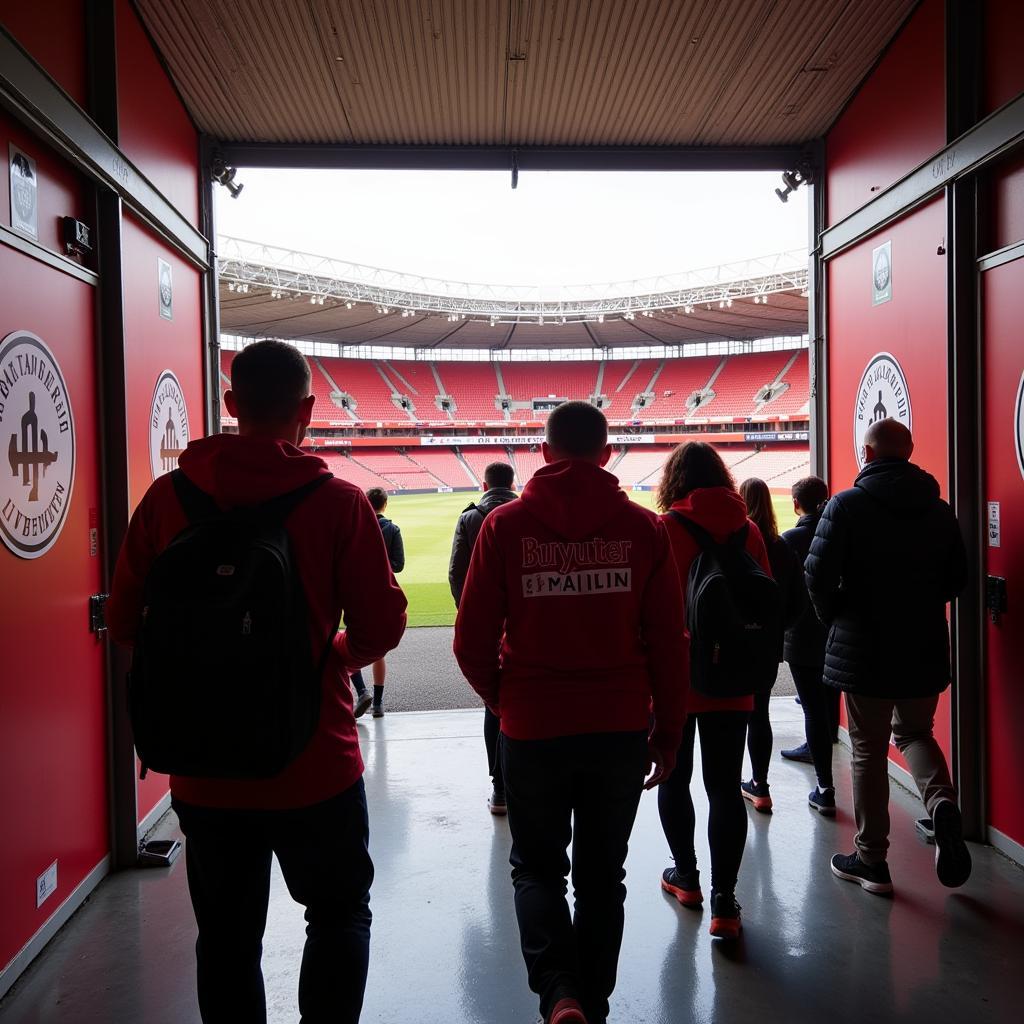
column 428, row 521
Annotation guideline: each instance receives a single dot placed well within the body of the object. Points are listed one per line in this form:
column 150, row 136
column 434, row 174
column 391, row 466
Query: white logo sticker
column 166, row 287
column 168, row 425
column 881, row 274
column 24, row 193
column 882, row 394
column 1019, row 423
column 38, row 429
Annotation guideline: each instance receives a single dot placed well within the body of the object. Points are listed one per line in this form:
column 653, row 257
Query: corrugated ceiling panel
column 541, row 72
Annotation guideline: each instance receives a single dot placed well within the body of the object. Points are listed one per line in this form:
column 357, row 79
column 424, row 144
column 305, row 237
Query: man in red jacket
column 313, row 814
column 569, row 627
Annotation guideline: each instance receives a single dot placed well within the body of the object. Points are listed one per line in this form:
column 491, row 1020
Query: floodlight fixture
column 224, row 175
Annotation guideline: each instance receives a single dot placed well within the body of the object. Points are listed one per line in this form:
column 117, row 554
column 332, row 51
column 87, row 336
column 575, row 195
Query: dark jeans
column 832, row 699
column 817, row 702
column 722, row 734
column 759, row 738
column 323, row 855
column 357, row 682
column 584, row 788
column 492, row 739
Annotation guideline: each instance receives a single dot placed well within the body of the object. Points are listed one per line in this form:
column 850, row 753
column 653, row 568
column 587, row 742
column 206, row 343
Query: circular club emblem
column 37, row 429
column 883, row 394
column 883, row 270
column 1019, row 424
column 168, row 425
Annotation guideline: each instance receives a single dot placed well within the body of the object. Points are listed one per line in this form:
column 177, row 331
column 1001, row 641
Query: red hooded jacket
column 721, row 512
column 339, row 551
column 571, row 618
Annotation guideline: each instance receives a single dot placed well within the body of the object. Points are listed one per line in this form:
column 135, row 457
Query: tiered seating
column 739, row 382
column 639, row 462
column 325, row 409
column 444, row 464
column 474, row 387
column 527, row 463
column 413, row 378
column 797, row 398
column 225, row 375
column 360, row 379
column 347, row 469
column 778, row 467
column 395, row 467
column 527, row 381
column 681, row 377
column 479, row 458
column 615, row 370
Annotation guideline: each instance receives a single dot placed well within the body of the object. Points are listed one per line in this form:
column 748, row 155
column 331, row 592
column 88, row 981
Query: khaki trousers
column 910, row 722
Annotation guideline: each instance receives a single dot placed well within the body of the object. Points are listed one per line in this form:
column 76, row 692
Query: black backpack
column 223, row 682
column 734, row 617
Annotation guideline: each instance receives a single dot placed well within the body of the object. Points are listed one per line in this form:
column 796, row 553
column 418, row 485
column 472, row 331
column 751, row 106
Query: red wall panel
column 53, row 32
column 153, row 345
column 897, row 119
column 53, row 738
column 1006, row 203
column 1003, row 312
column 912, row 327
column 1004, row 43
column 156, row 132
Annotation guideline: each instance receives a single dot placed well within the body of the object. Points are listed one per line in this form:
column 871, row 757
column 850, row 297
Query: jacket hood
column 900, row 486
column 495, row 496
column 720, row 510
column 237, row 471
column 574, row 499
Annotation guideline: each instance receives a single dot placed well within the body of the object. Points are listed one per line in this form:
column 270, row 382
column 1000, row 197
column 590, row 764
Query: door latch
column 97, row 613
column 995, row 597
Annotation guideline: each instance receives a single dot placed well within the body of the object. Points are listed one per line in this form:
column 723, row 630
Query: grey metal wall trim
column 989, row 139
column 1000, row 256
column 817, row 325
column 47, row 256
column 500, row 158
column 35, row 99
column 211, row 294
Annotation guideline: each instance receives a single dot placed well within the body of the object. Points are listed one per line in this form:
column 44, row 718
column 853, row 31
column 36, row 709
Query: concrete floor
column 445, row 946
column 423, row 674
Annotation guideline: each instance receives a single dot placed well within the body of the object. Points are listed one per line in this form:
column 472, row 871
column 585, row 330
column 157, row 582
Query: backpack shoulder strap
column 739, row 538
column 698, row 533
column 197, row 504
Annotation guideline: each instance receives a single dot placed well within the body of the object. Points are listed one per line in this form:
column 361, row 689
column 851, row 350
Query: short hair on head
column 499, row 474
column 758, row 499
column 268, row 380
column 577, row 430
column 810, row 493
column 890, row 439
column 378, row 498
column 690, row 466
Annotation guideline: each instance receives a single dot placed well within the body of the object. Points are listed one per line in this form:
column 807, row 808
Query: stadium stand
column 796, row 400
column 678, row 380
column 778, row 467
column 479, row 458
column 444, row 464
column 346, row 468
column 632, row 375
column 640, row 462
column 525, row 382
column 473, row 387
column 398, row 469
column 527, row 463
column 325, row 408
column 736, row 387
column 361, row 379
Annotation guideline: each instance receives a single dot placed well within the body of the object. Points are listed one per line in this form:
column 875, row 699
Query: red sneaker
column 757, row 793
column 725, row 916
column 567, row 1011
column 685, row 888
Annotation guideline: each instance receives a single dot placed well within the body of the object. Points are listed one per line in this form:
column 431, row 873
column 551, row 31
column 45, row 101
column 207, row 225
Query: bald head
column 888, row 439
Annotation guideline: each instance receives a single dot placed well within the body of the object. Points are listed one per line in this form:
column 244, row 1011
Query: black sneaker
column 823, row 801
column 378, row 710
column 685, row 886
column 362, row 705
column 952, row 858
column 725, row 916
column 758, row 794
column 801, row 754
column 870, row 877
column 496, row 802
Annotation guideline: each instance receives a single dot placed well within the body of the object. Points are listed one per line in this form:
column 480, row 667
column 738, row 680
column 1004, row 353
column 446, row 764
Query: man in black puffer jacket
column 498, row 480
column 886, row 559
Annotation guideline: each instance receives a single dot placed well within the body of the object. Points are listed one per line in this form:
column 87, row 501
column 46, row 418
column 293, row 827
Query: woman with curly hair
column 697, row 486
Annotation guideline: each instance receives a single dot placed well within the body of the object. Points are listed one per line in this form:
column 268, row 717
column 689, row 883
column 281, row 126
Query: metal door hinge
column 97, row 613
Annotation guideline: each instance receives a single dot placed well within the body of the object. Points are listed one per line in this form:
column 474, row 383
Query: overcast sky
column 554, row 229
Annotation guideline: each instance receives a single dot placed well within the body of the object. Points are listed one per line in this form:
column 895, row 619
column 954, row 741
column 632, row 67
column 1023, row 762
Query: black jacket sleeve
column 458, row 564
column 396, row 550
column 957, row 570
column 823, row 569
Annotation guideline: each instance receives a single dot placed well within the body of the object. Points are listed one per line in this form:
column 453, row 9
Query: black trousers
column 819, row 707
column 722, row 734
column 759, row 737
column 584, row 788
column 324, row 858
column 492, row 739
